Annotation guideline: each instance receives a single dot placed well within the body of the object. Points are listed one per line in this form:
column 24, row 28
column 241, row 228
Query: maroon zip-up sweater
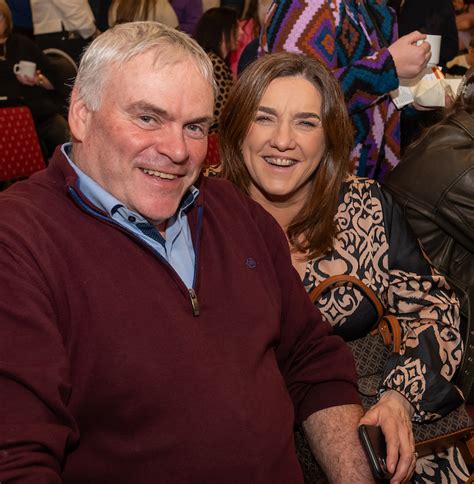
column 107, row 375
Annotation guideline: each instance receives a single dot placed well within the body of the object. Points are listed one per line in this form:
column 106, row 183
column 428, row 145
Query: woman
column 285, row 140
column 36, row 92
column 122, row 11
column 218, row 33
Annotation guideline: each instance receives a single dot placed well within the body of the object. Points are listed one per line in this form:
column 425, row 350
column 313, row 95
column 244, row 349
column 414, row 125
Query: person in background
column 441, row 211
column 36, row 92
column 218, row 34
column 357, row 40
column 100, row 9
column 250, row 52
column 128, row 353
column 21, row 15
column 68, row 25
column 435, row 17
column 122, row 11
column 250, row 29
column 189, row 12
column 285, row 139
column 464, row 22
column 463, row 62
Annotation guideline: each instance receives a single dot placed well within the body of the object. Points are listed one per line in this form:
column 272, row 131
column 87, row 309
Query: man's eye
column 146, row 119
column 197, row 131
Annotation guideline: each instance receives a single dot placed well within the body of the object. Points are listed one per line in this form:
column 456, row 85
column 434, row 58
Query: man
column 153, row 329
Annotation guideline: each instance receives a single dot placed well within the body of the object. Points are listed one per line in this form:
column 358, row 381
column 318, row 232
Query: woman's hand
column 393, row 414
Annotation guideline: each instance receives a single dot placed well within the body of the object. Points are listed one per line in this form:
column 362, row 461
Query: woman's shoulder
column 357, row 186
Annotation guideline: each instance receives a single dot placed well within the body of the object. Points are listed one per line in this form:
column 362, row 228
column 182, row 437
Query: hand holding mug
column 25, row 72
column 410, row 54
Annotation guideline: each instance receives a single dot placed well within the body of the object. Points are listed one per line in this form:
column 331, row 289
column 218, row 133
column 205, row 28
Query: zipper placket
column 191, row 291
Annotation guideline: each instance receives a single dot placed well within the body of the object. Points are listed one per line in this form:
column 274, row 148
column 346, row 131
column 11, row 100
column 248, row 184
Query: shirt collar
column 104, row 200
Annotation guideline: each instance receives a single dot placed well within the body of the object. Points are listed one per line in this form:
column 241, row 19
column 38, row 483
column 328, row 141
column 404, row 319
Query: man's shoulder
column 226, row 200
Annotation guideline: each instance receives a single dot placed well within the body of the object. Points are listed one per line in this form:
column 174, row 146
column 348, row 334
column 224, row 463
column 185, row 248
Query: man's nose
column 174, row 145
column 283, row 137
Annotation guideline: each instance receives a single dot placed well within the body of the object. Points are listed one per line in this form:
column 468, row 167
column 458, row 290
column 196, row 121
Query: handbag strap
column 387, row 325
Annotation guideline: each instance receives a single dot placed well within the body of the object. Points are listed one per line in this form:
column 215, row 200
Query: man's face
column 147, row 141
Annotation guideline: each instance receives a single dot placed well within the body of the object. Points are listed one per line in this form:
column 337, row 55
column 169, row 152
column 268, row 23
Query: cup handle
column 16, row 68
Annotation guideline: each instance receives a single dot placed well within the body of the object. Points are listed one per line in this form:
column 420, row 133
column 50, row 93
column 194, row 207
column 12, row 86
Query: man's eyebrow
column 202, row 120
column 151, row 108
column 302, row 115
column 148, row 108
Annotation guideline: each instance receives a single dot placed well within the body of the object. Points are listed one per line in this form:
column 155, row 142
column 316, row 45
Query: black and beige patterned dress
column 375, row 244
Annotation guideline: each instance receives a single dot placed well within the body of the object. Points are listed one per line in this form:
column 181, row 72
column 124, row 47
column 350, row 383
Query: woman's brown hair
column 5, row 11
column 313, row 230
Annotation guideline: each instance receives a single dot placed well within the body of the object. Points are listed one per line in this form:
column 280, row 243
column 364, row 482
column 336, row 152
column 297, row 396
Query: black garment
column 435, row 17
column 434, row 184
column 51, row 127
column 249, row 54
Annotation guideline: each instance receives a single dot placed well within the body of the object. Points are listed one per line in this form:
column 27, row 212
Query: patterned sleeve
column 428, row 312
column 337, row 36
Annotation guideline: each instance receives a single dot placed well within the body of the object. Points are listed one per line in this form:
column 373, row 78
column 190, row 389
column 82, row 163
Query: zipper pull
column 194, row 301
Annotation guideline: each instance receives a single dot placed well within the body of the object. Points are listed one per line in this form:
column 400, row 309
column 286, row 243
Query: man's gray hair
column 123, row 42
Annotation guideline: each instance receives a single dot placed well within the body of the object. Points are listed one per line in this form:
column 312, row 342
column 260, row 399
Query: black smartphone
column 373, row 442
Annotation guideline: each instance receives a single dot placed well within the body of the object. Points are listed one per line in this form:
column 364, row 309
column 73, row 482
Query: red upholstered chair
column 212, row 163
column 20, row 150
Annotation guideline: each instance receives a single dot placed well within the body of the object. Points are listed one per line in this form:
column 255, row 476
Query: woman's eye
column 309, row 124
column 262, row 119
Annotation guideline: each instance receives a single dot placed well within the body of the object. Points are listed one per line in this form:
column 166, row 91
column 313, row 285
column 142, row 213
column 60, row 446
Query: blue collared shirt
column 177, row 245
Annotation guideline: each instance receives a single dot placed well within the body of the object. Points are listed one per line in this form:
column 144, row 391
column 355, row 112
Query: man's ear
column 79, row 116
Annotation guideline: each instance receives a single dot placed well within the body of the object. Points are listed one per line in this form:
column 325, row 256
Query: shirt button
column 131, row 218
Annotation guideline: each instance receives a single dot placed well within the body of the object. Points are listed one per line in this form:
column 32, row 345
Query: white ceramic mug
column 25, row 68
column 435, row 42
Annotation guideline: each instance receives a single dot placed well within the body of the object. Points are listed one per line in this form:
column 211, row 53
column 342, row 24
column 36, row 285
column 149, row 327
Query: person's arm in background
column 378, row 71
column 77, row 16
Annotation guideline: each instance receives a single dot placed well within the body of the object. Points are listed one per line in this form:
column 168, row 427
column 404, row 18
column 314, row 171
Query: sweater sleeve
column 35, row 427
column 428, row 312
column 317, row 366
column 365, row 72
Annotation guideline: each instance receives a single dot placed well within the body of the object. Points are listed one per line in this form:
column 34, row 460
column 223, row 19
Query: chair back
column 66, row 70
column 20, row 149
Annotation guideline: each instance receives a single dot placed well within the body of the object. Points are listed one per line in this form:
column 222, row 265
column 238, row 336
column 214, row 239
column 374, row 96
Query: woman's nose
column 283, row 137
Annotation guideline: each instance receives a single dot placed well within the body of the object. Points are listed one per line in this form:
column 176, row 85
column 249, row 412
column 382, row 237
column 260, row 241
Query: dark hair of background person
column 313, row 230
column 5, row 11
column 127, row 10
column 215, row 26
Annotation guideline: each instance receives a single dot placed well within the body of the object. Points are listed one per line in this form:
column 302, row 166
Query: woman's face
column 285, row 142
